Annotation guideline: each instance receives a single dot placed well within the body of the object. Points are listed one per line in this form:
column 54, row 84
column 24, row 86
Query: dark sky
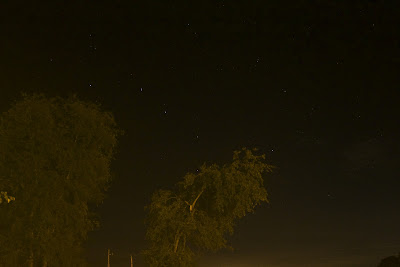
column 313, row 84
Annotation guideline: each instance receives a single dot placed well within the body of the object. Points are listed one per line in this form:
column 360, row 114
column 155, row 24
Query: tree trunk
column 184, row 242
column 44, row 262
column 194, row 202
column 178, row 236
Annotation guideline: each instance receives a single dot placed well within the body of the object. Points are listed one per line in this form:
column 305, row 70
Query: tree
column 201, row 212
column 392, row 261
column 55, row 157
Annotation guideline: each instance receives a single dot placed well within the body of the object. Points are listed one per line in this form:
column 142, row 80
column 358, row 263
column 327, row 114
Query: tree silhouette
column 55, row 157
column 392, row 261
column 202, row 210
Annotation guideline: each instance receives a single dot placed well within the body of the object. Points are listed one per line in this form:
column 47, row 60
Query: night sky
column 314, row 85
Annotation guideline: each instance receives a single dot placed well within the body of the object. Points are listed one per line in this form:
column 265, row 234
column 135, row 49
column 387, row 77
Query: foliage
column 392, row 261
column 201, row 212
column 55, row 157
column 5, row 197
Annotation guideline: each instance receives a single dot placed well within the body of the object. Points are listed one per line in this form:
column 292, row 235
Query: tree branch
column 177, row 237
column 194, row 202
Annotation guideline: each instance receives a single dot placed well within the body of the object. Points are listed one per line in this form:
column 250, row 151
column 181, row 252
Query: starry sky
column 312, row 84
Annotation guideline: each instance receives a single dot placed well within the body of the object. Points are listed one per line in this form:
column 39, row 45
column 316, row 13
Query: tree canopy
column 391, row 261
column 55, row 157
column 201, row 211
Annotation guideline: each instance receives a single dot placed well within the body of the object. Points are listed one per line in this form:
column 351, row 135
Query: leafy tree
column 55, row 157
column 201, row 212
column 392, row 261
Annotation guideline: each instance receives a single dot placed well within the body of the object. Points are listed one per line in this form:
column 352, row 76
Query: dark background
column 313, row 84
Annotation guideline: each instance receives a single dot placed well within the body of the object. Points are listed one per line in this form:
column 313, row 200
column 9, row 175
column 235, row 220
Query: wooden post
column 30, row 261
column 108, row 258
column 131, row 261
